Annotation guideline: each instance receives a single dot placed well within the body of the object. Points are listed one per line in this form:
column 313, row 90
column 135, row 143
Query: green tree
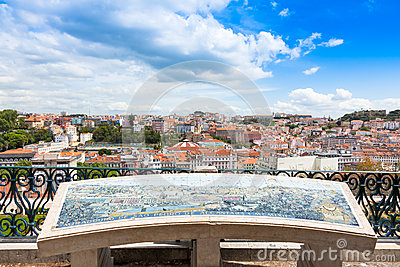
column 86, row 129
column 98, row 165
column 151, row 136
column 4, row 125
column 10, row 116
column 15, row 139
column 97, row 173
column 8, row 120
column 104, row 151
column 82, row 164
column 130, row 136
column 15, row 134
column 369, row 165
column 107, row 133
column 2, row 143
column 22, row 124
column 41, row 135
column 23, row 162
column 169, row 139
column 249, row 121
column 394, row 114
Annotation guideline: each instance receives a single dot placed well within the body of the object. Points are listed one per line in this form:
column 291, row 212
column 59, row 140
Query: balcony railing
column 26, row 192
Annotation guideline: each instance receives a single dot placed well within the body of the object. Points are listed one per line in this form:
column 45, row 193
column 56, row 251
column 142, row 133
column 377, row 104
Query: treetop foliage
column 367, row 115
column 13, row 132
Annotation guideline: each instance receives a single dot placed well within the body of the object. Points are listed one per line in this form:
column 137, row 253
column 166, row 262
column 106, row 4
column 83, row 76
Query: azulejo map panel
column 245, row 195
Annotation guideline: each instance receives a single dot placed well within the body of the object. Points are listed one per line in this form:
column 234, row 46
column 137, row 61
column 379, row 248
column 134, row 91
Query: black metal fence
column 25, row 193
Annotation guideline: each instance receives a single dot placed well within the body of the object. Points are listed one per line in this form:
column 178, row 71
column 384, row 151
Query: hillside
column 367, row 115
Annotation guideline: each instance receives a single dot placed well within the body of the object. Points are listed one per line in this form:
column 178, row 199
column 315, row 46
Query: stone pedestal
column 84, row 235
column 92, row 258
column 318, row 256
column 207, row 253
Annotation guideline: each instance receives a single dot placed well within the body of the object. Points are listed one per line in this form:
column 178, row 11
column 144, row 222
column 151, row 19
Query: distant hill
column 367, row 115
column 394, row 114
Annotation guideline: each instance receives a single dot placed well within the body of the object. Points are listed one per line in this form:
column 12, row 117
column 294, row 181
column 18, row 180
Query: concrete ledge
column 26, row 253
column 233, row 253
column 24, row 239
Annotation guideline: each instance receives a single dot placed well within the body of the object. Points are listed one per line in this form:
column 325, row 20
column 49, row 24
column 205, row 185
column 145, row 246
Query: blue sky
column 315, row 57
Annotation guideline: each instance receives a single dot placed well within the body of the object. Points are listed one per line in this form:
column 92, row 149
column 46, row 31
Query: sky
column 324, row 58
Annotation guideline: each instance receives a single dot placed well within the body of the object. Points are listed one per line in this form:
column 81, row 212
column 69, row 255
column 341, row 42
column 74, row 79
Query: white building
column 184, row 127
column 356, row 124
column 392, row 125
column 60, row 138
column 72, row 137
column 84, row 137
column 58, row 159
column 152, row 161
column 43, row 147
column 130, row 161
column 348, row 159
column 303, row 163
column 389, row 160
column 72, row 133
column 222, row 159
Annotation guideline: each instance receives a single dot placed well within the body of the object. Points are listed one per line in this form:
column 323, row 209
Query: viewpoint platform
column 88, row 216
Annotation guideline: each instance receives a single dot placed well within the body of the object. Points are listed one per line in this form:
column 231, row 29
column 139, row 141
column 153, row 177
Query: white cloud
column 69, row 58
column 305, row 46
column 6, row 79
column 273, row 4
column 46, row 72
column 319, row 104
column 311, row 71
column 332, row 42
column 342, row 94
column 309, row 42
column 174, row 32
column 284, row 13
column 309, row 97
column 118, row 106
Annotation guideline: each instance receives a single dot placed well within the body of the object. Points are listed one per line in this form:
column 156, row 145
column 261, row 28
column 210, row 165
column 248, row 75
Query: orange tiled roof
column 32, row 119
column 104, row 159
column 18, row 151
column 70, row 154
column 248, row 161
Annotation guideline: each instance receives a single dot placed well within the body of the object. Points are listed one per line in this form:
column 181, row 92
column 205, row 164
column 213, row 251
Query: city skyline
column 65, row 113
column 309, row 57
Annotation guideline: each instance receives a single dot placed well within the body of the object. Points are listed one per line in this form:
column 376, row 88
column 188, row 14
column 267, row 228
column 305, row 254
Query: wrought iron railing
column 25, row 193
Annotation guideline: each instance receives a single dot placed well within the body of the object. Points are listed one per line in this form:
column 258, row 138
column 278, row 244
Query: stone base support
column 207, row 253
column 92, row 258
column 315, row 256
